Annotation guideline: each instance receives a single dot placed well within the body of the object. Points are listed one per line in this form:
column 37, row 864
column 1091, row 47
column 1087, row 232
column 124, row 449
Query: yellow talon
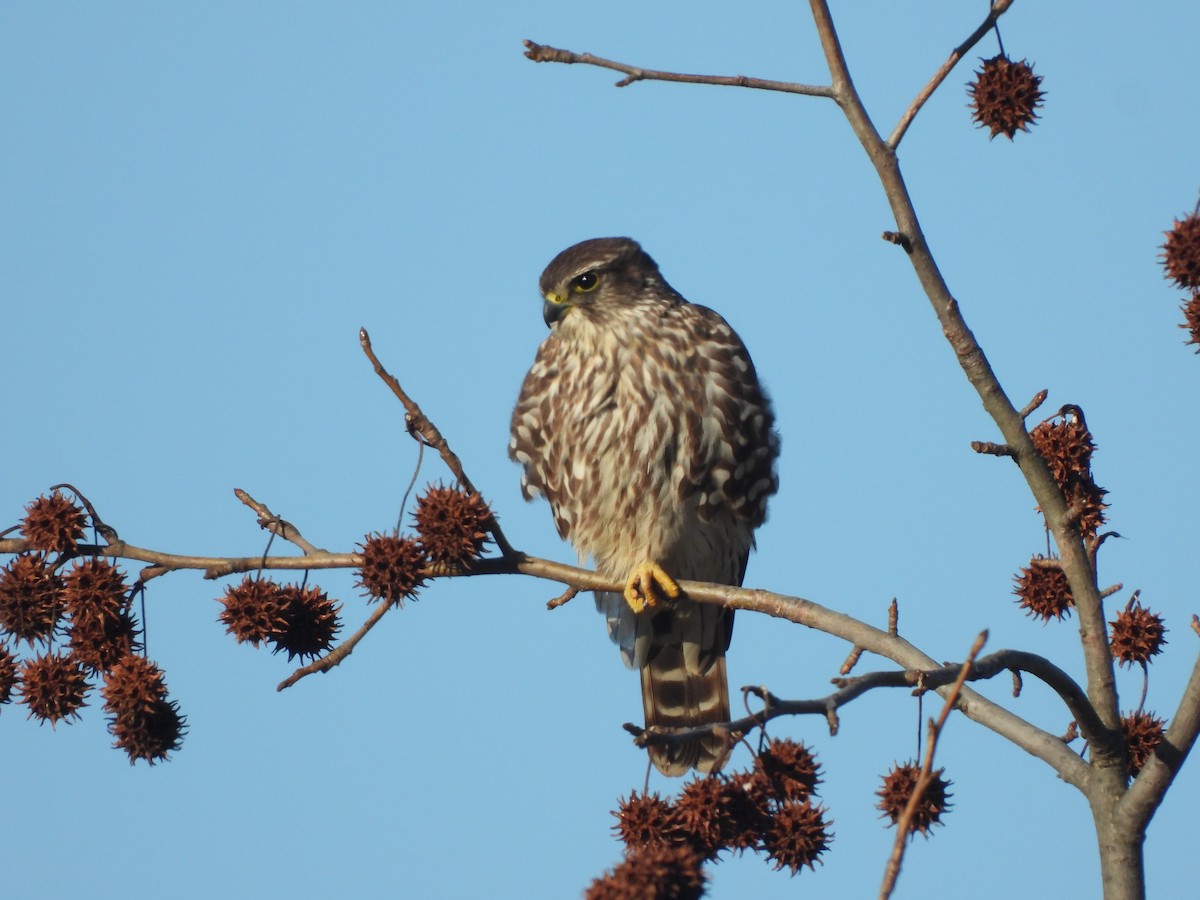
column 640, row 589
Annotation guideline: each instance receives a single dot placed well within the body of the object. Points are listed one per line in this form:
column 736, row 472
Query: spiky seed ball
column 898, row 787
column 1005, row 96
column 452, row 525
column 1181, row 252
column 1143, row 733
column 252, row 610
column 1043, row 591
column 53, row 687
column 657, row 872
column 95, row 589
column 151, row 735
column 750, row 809
column 645, row 819
column 797, row 836
column 8, row 675
column 787, row 770
column 30, row 604
column 705, row 819
column 1087, row 497
column 391, row 567
column 133, row 686
column 1136, row 634
column 98, row 644
column 1066, row 445
column 1191, row 316
column 53, row 524
column 310, row 622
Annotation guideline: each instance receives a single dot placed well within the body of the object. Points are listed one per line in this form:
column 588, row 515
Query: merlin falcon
column 644, row 425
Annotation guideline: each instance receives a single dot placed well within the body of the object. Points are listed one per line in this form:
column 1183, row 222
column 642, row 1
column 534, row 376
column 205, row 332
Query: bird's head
column 595, row 275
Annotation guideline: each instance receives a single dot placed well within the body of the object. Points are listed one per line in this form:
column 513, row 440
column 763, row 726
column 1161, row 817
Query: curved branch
column 1033, row 740
column 1108, row 751
column 850, row 689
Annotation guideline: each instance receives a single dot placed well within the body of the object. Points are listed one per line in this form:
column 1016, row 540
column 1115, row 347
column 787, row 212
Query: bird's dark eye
column 581, row 284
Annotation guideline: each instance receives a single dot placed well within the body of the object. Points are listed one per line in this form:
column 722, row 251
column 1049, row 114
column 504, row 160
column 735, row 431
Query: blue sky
column 202, row 205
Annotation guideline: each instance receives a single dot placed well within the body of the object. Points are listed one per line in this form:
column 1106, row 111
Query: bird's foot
column 645, row 583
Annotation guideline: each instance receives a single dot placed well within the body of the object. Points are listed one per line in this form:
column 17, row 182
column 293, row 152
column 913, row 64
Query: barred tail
column 679, row 696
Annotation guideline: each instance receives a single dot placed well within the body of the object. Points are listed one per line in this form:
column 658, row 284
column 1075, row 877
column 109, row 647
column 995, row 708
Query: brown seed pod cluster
column 392, row 567
column 90, row 606
column 1191, row 319
column 252, row 610
column 311, row 622
column 102, row 628
column 1043, row 591
column 452, row 524
column 53, row 686
column 30, row 598
column 144, row 722
column 1005, row 96
column 1143, row 733
column 53, row 524
column 768, row 809
column 1181, row 264
column 657, row 872
column 1136, row 634
column 9, row 679
column 301, row 621
column 1181, row 253
column 1067, row 446
column 898, row 787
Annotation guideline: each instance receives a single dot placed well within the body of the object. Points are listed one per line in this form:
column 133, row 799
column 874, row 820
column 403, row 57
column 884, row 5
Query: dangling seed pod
column 1136, row 634
column 30, row 598
column 898, row 787
column 797, row 836
column 1181, row 253
column 1143, row 733
column 452, row 525
column 1043, row 591
column 1005, row 96
column 53, row 524
column 391, row 567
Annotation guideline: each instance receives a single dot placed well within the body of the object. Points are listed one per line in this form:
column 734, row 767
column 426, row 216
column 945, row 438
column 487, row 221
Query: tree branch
column 999, row 8
column 1108, row 751
column 542, row 53
column 421, row 428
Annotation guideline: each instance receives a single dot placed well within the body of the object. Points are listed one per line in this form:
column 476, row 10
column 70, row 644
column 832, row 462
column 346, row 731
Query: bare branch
column 1038, row 399
column 542, row 53
column 419, row 424
column 989, row 448
column 948, row 680
column 999, row 8
column 277, row 526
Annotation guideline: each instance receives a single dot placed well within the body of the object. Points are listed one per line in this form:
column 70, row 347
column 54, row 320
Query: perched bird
column 643, row 423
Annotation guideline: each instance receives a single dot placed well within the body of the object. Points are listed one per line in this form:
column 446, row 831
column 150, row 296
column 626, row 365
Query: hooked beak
column 554, row 307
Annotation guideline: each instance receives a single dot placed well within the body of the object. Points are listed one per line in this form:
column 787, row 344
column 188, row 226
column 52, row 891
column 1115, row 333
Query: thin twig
column 277, row 526
column 999, row 7
column 338, row 653
column 418, row 423
column 565, row 597
column 542, row 53
column 904, row 824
